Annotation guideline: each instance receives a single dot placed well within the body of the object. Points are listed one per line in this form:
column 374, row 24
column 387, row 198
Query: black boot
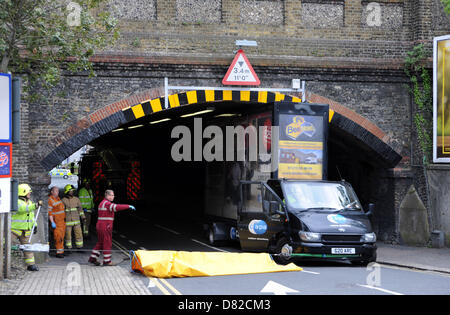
column 32, row 268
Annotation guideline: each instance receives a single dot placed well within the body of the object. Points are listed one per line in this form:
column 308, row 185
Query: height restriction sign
column 240, row 72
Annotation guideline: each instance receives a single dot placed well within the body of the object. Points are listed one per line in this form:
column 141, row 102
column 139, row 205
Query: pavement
column 74, row 276
column 421, row 258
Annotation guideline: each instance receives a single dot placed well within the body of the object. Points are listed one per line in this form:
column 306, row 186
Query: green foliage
column 421, row 90
column 446, row 4
column 40, row 38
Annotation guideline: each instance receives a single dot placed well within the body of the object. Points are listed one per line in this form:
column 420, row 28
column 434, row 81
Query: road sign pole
column 2, row 249
column 8, row 245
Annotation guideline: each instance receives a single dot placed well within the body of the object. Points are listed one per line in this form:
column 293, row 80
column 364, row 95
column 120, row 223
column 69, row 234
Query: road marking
column 170, row 287
column 121, row 248
column 154, row 281
column 142, row 248
column 312, row 272
column 132, row 242
column 212, row 247
column 277, row 289
column 167, row 229
column 380, row 289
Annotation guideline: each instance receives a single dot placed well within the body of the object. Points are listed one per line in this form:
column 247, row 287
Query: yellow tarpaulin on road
column 171, row 264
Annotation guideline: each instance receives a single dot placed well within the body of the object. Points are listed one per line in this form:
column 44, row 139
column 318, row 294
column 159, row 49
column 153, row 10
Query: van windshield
column 302, row 196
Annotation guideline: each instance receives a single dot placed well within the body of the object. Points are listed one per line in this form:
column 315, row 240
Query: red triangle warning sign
column 240, row 72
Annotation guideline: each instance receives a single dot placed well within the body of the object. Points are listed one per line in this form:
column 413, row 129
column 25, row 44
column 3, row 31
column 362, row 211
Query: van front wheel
column 282, row 252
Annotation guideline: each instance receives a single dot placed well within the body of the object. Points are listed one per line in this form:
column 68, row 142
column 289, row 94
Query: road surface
column 134, row 232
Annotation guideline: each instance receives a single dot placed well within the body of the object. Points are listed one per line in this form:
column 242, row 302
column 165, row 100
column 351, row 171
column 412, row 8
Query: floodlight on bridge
column 248, row 43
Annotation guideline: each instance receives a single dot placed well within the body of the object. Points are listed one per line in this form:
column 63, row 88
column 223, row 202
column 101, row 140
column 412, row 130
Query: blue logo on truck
column 336, row 219
column 257, row 227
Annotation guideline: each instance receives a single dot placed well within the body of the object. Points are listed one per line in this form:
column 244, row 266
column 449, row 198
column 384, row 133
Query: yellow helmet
column 24, row 189
column 68, row 188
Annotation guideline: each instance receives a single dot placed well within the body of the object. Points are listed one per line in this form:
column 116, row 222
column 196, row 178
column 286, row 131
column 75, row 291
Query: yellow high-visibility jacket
column 23, row 219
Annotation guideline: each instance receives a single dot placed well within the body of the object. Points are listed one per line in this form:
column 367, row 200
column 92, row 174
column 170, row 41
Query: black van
column 305, row 220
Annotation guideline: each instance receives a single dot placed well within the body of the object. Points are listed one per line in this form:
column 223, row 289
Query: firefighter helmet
column 68, row 188
column 24, row 189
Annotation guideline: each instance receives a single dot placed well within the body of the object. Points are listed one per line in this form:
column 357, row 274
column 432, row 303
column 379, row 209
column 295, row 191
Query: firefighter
column 87, row 202
column 106, row 210
column 74, row 216
column 57, row 217
column 22, row 222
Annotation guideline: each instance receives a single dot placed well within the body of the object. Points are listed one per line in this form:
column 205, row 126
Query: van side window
column 271, row 203
column 251, row 195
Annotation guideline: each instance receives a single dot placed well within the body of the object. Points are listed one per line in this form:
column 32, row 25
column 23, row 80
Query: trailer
column 281, row 202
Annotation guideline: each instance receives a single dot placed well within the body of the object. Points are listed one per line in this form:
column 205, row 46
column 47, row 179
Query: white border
column 5, row 101
column 5, row 199
column 435, row 43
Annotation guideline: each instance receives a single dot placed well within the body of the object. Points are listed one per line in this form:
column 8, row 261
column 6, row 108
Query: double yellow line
column 170, row 289
column 121, row 248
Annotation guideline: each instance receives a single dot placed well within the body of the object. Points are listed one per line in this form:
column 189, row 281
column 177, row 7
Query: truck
column 282, row 202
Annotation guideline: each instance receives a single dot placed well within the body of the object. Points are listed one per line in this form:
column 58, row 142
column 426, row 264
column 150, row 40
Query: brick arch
column 148, row 102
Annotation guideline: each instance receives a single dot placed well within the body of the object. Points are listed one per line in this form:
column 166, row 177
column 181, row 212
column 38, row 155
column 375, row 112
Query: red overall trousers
column 106, row 210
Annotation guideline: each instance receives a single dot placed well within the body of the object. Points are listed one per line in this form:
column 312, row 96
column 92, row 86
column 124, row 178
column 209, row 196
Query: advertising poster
column 441, row 100
column 5, row 160
column 301, row 147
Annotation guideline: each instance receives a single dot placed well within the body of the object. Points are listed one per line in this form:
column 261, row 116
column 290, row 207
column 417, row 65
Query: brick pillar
column 166, row 10
column 421, row 19
column 292, row 16
column 231, row 13
column 352, row 13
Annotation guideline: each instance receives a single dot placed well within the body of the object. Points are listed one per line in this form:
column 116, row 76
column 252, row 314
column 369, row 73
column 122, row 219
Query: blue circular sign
column 257, row 227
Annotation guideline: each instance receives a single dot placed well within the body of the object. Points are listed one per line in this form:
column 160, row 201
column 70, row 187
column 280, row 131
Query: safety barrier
column 171, row 264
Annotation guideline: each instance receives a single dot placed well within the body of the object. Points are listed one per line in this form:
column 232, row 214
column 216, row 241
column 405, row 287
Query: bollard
column 437, row 239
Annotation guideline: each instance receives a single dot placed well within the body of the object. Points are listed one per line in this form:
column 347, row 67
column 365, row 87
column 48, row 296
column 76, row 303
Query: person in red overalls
column 106, row 210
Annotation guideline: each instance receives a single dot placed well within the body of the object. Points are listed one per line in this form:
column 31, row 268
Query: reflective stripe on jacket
column 106, row 210
column 23, row 219
column 56, row 209
column 74, row 211
column 87, row 198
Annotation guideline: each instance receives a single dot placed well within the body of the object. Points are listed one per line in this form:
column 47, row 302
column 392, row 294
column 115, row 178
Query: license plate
column 343, row 251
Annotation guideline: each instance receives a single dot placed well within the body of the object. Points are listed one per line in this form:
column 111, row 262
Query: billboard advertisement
column 441, row 100
column 301, row 147
column 5, row 160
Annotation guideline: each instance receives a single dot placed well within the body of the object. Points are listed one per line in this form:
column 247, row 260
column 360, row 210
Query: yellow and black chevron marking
column 201, row 97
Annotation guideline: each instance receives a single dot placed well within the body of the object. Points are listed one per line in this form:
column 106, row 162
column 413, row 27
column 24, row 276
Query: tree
column 40, row 38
